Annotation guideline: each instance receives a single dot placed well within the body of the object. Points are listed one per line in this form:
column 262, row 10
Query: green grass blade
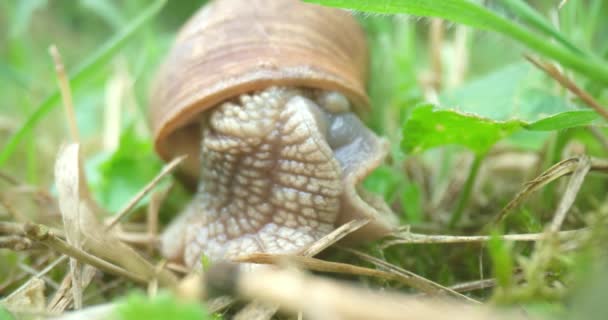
column 99, row 58
column 474, row 15
column 534, row 19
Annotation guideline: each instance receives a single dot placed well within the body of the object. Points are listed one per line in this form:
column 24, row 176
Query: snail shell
column 235, row 58
column 231, row 47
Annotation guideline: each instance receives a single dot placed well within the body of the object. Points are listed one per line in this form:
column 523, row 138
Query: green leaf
column 120, row 175
column 564, row 120
column 502, row 262
column 474, row 15
column 428, row 127
column 164, row 306
column 87, row 69
column 384, row 181
column 516, row 91
column 4, row 314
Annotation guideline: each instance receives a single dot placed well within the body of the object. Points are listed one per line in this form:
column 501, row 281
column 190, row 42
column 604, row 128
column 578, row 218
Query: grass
column 470, row 122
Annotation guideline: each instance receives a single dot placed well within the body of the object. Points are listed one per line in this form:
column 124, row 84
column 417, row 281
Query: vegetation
column 495, row 111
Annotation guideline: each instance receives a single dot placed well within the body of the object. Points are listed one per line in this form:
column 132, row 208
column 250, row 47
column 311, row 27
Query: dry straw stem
column 552, row 71
column 320, row 298
column 71, row 189
column 415, row 238
column 474, row 285
column 418, row 282
column 167, row 169
column 66, row 93
column 324, row 266
column 81, row 209
column 44, row 236
column 560, row 169
column 15, row 243
column 574, row 185
column 261, row 311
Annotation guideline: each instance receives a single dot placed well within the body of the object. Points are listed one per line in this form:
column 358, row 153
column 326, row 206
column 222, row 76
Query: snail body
column 264, row 98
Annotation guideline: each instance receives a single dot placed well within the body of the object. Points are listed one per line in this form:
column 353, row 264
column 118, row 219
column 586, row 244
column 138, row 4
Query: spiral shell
column 231, row 47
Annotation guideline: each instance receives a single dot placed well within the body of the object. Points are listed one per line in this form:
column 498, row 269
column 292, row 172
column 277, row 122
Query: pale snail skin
column 263, row 97
column 279, row 169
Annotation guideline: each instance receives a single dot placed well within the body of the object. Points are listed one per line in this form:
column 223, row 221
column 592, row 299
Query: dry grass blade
column 320, row 298
column 66, row 93
column 29, row 296
column 260, row 311
column 61, row 300
column 416, row 281
column 43, row 235
column 414, row 238
column 103, row 244
column 574, row 185
column 324, row 266
column 552, row 71
column 333, row 237
column 127, row 208
column 557, row 171
column 474, row 285
column 15, row 243
column 69, row 181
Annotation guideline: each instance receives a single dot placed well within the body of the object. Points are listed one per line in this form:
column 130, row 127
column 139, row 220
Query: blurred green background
column 462, row 68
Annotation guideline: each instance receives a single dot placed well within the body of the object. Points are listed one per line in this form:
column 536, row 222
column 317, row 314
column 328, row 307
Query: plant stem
column 465, row 194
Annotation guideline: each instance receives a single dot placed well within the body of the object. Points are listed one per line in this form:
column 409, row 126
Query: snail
column 265, row 96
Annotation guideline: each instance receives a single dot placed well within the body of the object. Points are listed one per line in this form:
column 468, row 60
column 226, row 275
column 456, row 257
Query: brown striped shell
column 231, row 47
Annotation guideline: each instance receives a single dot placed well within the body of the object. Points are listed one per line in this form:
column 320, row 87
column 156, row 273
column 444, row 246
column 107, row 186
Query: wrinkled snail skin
column 278, row 151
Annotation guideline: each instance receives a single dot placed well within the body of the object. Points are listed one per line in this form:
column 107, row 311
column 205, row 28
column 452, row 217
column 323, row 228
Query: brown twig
column 552, row 71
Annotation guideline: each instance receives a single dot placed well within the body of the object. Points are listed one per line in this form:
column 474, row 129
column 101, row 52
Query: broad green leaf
column 516, row 91
column 163, row 306
column 564, row 120
column 428, row 127
column 116, row 177
column 477, row 16
column 87, row 69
